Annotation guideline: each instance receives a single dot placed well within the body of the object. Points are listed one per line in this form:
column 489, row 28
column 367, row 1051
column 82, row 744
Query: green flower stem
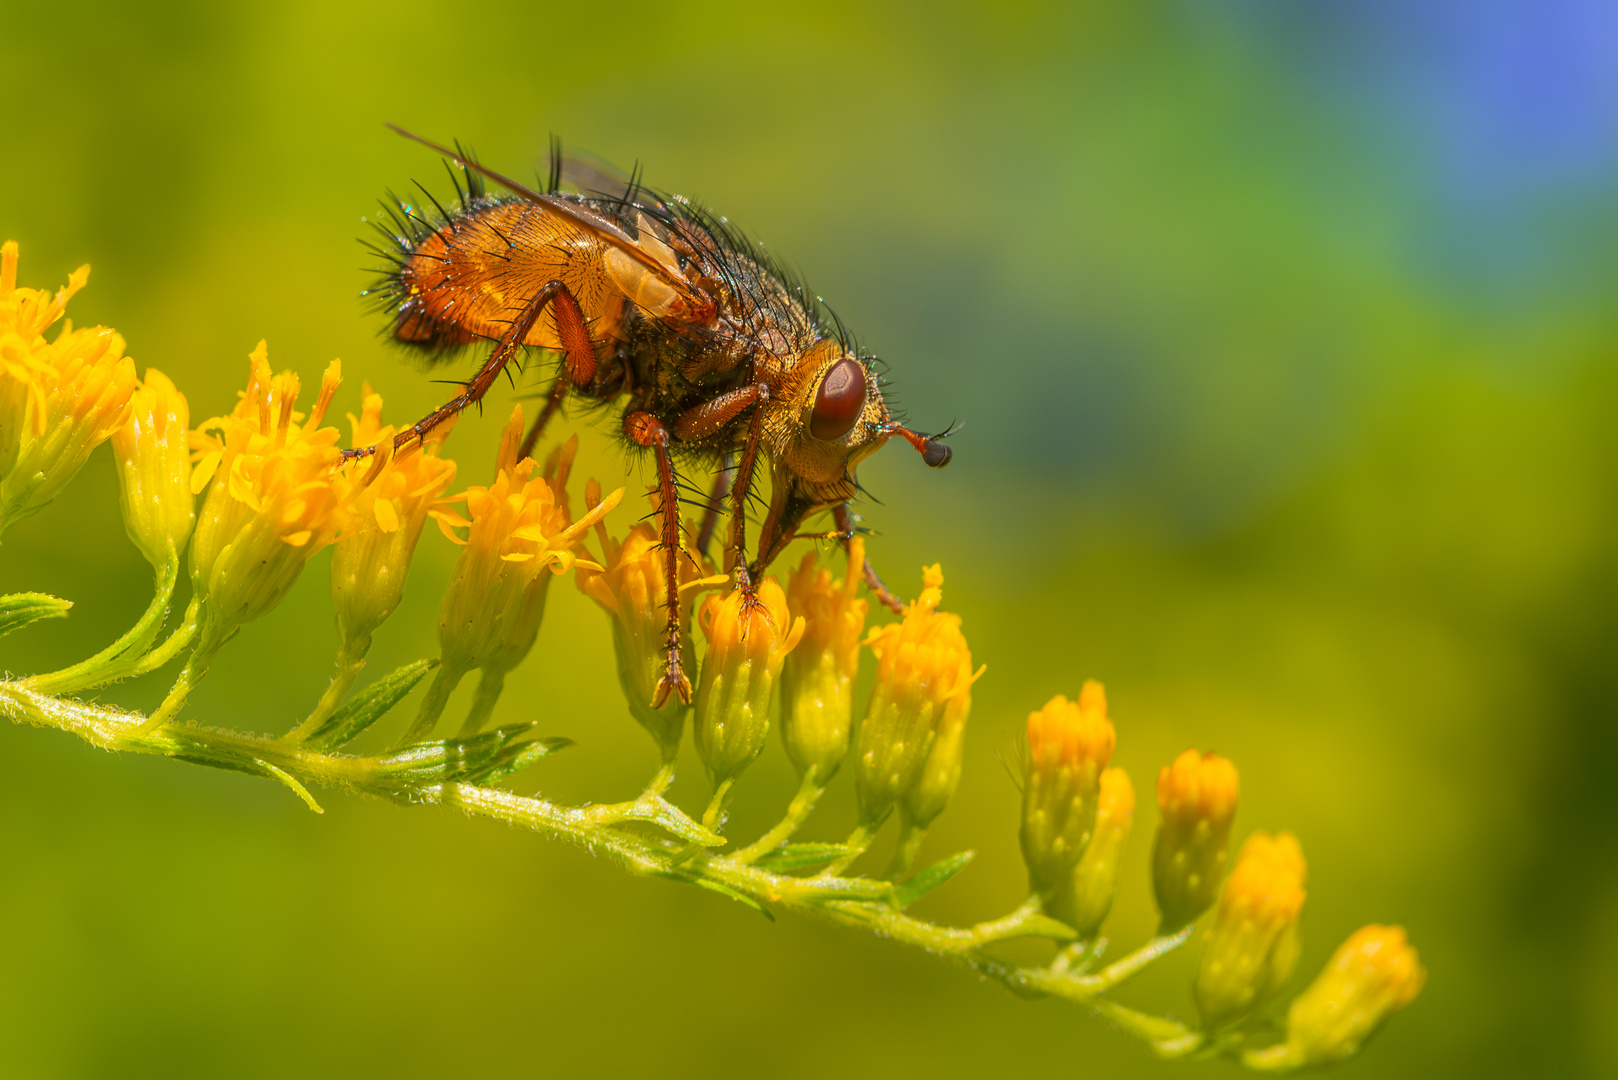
column 664, row 776
column 118, row 660
column 432, row 706
column 857, row 842
column 195, row 668
column 679, row 855
column 490, row 684
column 714, row 817
column 904, row 856
column 177, row 641
column 803, row 804
column 350, row 661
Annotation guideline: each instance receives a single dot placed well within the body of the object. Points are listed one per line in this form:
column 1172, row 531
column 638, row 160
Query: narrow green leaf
column 925, row 881
column 800, row 857
column 495, row 754
column 694, row 878
column 19, row 609
column 369, row 705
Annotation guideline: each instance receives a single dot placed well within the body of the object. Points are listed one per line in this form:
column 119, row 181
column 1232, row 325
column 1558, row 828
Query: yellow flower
column 1069, row 744
column 1197, row 798
column 817, row 682
column 59, row 399
column 518, row 535
column 370, row 563
column 747, row 644
column 275, row 497
column 632, row 590
column 1371, row 976
column 1252, row 946
column 908, row 746
column 1084, row 904
column 154, row 470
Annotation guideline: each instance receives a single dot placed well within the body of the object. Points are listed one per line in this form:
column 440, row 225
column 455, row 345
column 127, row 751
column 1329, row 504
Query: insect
column 721, row 358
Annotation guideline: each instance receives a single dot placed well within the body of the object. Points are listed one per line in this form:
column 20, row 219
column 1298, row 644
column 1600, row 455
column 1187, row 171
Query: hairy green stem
column 680, row 851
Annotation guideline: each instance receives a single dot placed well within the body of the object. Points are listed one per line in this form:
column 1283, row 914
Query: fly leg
column 716, row 499
column 644, row 429
column 578, row 364
column 705, row 420
column 844, row 520
column 504, row 350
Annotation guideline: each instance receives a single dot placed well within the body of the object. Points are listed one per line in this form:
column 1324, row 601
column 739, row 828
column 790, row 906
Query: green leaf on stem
column 694, row 876
column 19, row 609
column 925, row 881
column 792, row 857
column 369, row 705
column 485, row 758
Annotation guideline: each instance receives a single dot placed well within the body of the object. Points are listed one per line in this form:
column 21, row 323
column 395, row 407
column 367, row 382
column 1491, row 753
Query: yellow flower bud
column 276, row 496
column 1252, row 946
column 1197, row 798
column 1069, row 745
column 519, row 535
column 817, row 683
column 154, row 470
column 910, row 740
column 1084, row 903
column 1371, row 976
column 369, row 565
column 633, row 591
column 747, row 644
column 59, row 399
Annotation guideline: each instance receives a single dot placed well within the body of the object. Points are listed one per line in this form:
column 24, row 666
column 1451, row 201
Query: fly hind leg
column 578, row 364
column 644, row 429
column 553, row 293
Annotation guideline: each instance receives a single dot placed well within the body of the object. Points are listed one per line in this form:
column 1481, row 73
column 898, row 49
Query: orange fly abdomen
column 469, row 279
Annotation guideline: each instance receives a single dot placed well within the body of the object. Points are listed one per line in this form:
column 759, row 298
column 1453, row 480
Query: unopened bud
column 1197, row 798
column 909, row 741
column 1371, row 976
column 1069, row 745
column 748, row 640
column 817, row 682
column 154, row 470
column 1252, row 947
column 1087, row 899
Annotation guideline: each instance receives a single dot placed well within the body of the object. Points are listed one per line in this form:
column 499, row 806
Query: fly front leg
column 844, row 519
column 707, row 419
column 644, row 429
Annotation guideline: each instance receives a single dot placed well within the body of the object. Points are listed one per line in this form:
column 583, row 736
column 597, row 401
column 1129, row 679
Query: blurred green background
column 1284, row 339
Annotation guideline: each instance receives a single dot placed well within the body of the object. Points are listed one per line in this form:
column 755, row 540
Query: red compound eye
column 840, row 401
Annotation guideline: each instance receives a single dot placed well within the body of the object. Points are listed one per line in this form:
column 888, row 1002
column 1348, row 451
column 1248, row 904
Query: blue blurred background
column 1284, row 340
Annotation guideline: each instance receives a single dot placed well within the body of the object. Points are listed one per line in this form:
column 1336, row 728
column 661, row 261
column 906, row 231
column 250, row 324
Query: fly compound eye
column 840, row 401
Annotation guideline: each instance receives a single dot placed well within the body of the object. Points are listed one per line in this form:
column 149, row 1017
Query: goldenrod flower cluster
column 59, row 399
column 908, row 747
column 277, row 488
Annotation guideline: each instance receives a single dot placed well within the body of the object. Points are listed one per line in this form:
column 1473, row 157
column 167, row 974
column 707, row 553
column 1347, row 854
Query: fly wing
column 643, row 267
